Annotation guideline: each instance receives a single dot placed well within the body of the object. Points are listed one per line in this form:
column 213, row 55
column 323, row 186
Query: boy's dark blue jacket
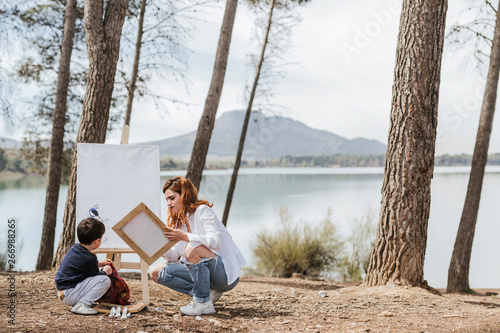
column 78, row 264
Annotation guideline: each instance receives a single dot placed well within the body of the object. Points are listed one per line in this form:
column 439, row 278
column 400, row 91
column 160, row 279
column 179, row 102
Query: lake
column 350, row 194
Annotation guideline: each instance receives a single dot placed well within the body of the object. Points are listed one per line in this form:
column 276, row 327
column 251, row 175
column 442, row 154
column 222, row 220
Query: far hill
column 9, row 143
column 269, row 137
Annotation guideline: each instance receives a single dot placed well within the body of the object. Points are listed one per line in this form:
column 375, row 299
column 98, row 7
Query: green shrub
column 3, row 159
column 4, row 253
column 359, row 245
column 3, row 261
column 297, row 247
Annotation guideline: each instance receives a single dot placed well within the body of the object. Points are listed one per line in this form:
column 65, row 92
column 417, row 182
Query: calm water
column 350, row 193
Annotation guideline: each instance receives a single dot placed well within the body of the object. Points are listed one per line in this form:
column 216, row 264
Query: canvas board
column 104, row 307
column 142, row 230
column 112, row 180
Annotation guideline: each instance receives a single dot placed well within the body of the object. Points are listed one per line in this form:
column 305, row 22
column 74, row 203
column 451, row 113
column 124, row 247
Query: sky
column 340, row 81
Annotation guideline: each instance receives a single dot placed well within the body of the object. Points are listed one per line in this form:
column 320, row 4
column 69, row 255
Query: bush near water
column 313, row 249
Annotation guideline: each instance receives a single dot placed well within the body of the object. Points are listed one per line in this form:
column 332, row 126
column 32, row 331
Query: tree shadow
column 296, row 284
column 487, row 304
column 251, row 313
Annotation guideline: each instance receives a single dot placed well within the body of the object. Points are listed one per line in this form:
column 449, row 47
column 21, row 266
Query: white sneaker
column 195, row 309
column 215, row 295
column 83, row 309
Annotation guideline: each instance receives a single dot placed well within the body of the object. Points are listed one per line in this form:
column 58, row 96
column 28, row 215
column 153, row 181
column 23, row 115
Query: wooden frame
column 128, row 230
column 106, row 307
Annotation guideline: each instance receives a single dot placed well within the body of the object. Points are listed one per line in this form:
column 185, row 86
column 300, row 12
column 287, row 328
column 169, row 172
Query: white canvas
column 112, row 180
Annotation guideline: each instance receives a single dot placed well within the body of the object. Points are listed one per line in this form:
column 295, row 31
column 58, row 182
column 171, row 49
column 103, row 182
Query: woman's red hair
column 189, row 200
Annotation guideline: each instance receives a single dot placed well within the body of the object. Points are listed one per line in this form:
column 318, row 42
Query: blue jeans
column 196, row 280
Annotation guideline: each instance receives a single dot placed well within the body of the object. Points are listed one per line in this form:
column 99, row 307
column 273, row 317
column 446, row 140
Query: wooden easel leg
column 125, row 134
column 144, row 265
column 118, row 261
column 144, row 282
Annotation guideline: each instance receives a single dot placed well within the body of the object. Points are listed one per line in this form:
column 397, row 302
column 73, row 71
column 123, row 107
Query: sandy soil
column 259, row 305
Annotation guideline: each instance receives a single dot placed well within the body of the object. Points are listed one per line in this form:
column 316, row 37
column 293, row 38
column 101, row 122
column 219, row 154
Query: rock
column 215, row 322
column 385, row 314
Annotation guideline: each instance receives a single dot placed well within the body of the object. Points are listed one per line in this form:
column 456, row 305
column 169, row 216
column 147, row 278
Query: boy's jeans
column 196, row 280
column 87, row 291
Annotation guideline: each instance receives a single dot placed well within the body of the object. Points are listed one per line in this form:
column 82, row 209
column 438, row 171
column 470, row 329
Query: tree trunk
column 398, row 252
column 57, row 142
column 207, row 121
column 135, row 70
column 237, row 163
column 458, row 273
column 102, row 33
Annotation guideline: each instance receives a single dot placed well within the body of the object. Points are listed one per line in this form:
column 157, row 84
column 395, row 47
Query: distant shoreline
column 11, row 175
column 438, row 169
column 15, row 163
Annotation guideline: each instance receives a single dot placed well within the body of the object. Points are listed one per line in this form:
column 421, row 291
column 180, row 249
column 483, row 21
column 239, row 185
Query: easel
column 115, row 254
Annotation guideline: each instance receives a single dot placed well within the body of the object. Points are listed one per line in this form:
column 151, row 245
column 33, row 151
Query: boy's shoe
column 195, row 309
column 215, row 295
column 83, row 309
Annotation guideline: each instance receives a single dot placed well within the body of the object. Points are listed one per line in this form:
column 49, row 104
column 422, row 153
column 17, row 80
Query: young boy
column 78, row 280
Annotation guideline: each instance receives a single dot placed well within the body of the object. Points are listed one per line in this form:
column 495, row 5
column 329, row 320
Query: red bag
column 118, row 292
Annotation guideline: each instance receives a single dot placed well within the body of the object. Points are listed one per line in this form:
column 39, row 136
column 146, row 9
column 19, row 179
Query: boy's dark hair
column 89, row 230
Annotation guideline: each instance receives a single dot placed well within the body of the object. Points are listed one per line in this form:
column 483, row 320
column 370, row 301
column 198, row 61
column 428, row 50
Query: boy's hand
column 107, row 269
column 104, row 263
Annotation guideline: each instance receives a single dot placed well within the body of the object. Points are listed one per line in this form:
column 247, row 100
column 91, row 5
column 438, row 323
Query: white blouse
column 208, row 230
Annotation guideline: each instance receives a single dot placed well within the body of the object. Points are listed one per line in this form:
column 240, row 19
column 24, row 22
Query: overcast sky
column 342, row 82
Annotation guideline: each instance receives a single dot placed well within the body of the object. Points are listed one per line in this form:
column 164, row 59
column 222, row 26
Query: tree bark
column 135, row 70
column 103, row 33
column 207, row 121
column 237, row 163
column 458, row 272
column 57, row 141
column 398, row 253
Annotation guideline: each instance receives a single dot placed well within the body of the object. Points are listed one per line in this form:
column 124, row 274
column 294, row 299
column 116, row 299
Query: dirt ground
column 259, row 305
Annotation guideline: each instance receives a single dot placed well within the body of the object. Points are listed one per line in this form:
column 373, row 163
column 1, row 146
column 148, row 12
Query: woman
column 205, row 262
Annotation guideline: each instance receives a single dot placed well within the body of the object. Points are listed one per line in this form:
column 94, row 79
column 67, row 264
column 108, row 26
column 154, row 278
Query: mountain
column 269, row 137
column 9, row 143
column 13, row 144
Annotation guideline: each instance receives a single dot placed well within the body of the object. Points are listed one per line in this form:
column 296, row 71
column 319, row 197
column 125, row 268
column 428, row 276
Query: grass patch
column 297, row 247
column 359, row 245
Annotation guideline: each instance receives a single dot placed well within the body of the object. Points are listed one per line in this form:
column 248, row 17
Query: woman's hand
column 104, row 263
column 175, row 234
